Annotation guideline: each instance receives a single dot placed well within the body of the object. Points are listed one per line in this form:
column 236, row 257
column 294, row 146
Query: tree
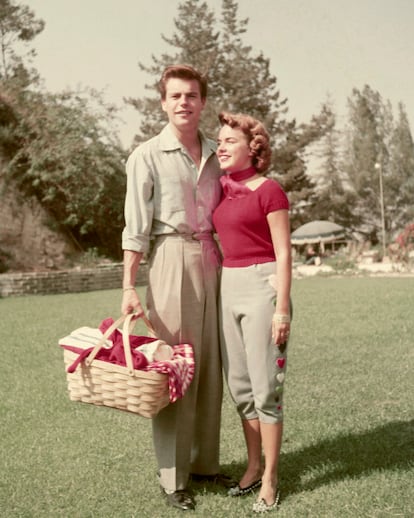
column 400, row 180
column 18, row 25
column 245, row 84
column 379, row 151
column 8, row 123
column 239, row 81
column 68, row 159
column 195, row 43
column 365, row 148
column 335, row 200
column 61, row 147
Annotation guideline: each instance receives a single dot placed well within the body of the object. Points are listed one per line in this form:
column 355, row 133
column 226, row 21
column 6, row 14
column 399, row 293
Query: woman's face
column 233, row 150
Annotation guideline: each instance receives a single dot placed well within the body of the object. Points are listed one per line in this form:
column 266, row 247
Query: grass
column 348, row 446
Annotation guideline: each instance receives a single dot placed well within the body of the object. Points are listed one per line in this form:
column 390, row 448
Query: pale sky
column 315, row 47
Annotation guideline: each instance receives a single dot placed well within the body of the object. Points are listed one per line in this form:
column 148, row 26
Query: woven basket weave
column 102, row 383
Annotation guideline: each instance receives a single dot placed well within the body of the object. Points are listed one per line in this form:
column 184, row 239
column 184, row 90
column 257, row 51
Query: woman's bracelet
column 128, row 288
column 281, row 319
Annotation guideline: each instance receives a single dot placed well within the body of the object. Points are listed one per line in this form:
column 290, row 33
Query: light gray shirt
column 166, row 192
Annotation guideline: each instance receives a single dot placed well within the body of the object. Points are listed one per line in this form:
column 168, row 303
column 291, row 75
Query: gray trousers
column 182, row 306
column 254, row 366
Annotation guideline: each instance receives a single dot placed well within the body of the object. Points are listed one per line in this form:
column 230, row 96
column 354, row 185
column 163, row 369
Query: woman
column 252, row 222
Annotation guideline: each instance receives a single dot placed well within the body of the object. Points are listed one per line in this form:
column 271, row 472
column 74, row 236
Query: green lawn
column 349, row 436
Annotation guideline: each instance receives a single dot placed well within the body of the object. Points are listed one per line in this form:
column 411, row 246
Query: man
column 172, row 188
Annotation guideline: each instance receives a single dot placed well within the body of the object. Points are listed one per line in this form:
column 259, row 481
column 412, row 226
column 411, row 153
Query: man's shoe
column 218, row 478
column 181, row 499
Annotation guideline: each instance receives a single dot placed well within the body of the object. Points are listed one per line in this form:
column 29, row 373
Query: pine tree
column 335, row 201
column 399, row 185
column 380, row 151
column 17, row 25
column 239, row 81
column 195, row 44
column 365, row 148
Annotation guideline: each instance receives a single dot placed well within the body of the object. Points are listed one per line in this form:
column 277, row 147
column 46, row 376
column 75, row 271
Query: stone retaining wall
column 102, row 277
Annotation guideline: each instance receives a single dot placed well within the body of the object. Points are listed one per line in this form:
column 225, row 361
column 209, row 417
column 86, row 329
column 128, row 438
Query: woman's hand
column 280, row 328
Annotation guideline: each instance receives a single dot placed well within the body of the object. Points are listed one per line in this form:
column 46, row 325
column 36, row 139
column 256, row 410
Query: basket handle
column 147, row 323
column 129, row 324
column 101, row 342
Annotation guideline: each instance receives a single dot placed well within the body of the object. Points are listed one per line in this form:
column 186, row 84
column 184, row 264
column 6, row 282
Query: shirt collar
column 169, row 142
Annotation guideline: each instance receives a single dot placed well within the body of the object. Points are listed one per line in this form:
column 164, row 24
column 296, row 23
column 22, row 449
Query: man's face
column 183, row 103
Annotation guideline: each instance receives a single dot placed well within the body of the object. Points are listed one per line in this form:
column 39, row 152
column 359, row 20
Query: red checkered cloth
column 180, row 370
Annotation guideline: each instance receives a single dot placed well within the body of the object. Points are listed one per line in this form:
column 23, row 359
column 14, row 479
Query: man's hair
column 256, row 134
column 182, row 72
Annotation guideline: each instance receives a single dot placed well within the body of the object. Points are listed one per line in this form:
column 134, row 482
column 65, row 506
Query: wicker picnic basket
column 102, row 383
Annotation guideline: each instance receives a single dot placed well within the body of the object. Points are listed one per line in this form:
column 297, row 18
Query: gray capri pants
column 254, row 367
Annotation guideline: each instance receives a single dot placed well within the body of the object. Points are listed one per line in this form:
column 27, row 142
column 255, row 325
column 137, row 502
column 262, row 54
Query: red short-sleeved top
column 241, row 224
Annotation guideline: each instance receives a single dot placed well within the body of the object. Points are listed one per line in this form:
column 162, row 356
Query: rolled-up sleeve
column 139, row 203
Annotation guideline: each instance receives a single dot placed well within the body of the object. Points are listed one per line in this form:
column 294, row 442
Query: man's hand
column 131, row 303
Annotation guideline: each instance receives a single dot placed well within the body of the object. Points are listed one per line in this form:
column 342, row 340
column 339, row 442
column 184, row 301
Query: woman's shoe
column 262, row 507
column 240, row 491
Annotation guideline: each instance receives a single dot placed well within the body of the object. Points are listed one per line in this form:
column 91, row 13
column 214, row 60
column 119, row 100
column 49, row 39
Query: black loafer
column 241, row 491
column 181, row 499
column 218, row 478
